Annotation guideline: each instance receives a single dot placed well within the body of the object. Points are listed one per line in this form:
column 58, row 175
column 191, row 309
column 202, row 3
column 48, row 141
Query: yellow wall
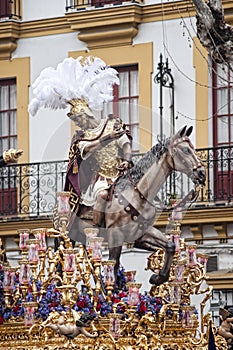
column 141, row 54
column 19, row 68
column 200, row 59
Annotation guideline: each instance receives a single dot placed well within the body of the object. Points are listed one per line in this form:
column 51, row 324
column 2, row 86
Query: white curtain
column 8, row 117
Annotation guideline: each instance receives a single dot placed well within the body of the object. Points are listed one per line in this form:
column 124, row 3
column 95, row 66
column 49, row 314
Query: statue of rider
column 99, row 152
column 100, row 149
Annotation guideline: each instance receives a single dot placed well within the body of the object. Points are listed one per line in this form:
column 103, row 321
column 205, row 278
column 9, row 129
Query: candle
column 69, row 261
column 191, row 255
column 90, row 232
column 63, row 205
column 133, row 293
column 187, row 316
column 40, row 235
column 9, row 278
column 179, row 271
column 202, row 259
column 33, row 251
column 115, row 325
column 96, row 247
column 109, row 277
column 23, row 237
column 29, row 313
column 25, row 271
column 175, row 292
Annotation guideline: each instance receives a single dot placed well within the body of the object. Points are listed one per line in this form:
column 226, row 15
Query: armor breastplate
column 108, row 157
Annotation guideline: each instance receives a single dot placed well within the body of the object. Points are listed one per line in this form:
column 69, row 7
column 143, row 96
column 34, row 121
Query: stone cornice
column 9, row 33
column 99, row 27
column 207, row 215
column 220, row 279
column 193, row 216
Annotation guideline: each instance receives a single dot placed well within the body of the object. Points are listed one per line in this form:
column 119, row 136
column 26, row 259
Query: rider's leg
column 99, row 207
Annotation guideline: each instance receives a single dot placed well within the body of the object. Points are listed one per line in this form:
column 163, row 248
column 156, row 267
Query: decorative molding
column 9, row 33
column 221, row 229
column 222, row 279
column 197, row 231
column 113, row 26
column 99, row 27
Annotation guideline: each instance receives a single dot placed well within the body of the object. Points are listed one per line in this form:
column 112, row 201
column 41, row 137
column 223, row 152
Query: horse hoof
column 158, row 279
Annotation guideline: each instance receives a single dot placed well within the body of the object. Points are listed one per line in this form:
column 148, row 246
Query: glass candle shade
column 191, row 255
column 23, row 237
column 90, row 232
column 176, row 214
column 202, row 259
column 175, row 292
column 40, row 235
column 130, row 276
column 133, row 293
column 175, row 238
column 63, row 205
column 115, row 325
column 187, row 316
column 25, row 271
column 96, row 248
column 179, row 271
column 29, row 313
column 109, row 277
column 9, row 278
column 69, row 261
column 33, row 251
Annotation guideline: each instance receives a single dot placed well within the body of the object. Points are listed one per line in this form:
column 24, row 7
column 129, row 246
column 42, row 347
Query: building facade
column 141, row 40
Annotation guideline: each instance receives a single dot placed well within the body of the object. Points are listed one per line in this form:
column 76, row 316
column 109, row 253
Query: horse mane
column 142, row 166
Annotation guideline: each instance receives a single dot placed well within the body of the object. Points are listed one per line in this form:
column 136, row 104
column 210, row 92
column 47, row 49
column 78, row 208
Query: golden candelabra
column 66, row 297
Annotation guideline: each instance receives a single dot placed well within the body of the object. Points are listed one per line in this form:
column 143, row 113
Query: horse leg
column 99, row 207
column 151, row 240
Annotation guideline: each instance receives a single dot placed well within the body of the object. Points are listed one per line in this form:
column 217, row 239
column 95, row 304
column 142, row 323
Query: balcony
column 77, row 5
column 29, row 190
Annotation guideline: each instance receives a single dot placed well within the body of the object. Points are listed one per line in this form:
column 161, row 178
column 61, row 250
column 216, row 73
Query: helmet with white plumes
column 84, row 84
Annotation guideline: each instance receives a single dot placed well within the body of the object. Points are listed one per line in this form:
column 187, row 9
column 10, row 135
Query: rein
column 137, row 190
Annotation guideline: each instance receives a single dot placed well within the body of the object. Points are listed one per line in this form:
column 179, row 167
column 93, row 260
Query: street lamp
column 165, row 79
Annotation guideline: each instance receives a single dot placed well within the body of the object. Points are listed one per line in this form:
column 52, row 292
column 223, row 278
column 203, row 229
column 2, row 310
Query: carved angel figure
column 63, row 324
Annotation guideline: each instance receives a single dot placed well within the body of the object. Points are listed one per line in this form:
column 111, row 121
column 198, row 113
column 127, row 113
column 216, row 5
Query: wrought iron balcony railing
column 10, row 9
column 29, row 190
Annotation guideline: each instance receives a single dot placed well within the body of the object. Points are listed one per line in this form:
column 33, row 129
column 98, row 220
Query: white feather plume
column 82, row 78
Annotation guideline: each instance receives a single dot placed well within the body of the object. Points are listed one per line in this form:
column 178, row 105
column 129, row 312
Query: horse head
column 182, row 157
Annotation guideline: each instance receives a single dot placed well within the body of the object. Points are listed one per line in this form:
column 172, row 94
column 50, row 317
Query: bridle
column 173, row 152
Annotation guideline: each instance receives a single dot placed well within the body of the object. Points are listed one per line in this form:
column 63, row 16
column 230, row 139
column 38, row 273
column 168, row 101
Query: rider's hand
column 116, row 134
column 124, row 165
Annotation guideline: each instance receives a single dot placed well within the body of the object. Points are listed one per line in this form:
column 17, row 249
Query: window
column 125, row 103
column 223, row 105
column 8, row 127
column 223, row 130
column 212, row 263
column 8, row 139
column 5, row 8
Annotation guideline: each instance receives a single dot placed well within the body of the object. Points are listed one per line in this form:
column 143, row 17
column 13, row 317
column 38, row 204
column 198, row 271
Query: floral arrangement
column 50, row 300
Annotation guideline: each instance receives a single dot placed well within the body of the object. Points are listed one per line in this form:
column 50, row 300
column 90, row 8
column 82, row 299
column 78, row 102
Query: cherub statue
column 63, row 324
column 226, row 327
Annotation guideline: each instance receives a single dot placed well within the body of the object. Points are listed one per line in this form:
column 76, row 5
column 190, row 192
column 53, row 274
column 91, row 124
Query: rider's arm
column 125, row 145
column 88, row 147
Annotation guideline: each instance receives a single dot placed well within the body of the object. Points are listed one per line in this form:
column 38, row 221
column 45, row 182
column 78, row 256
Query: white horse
column 130, row 213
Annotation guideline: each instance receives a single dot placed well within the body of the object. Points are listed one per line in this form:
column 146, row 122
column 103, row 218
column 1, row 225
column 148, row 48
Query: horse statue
column 130, row 213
